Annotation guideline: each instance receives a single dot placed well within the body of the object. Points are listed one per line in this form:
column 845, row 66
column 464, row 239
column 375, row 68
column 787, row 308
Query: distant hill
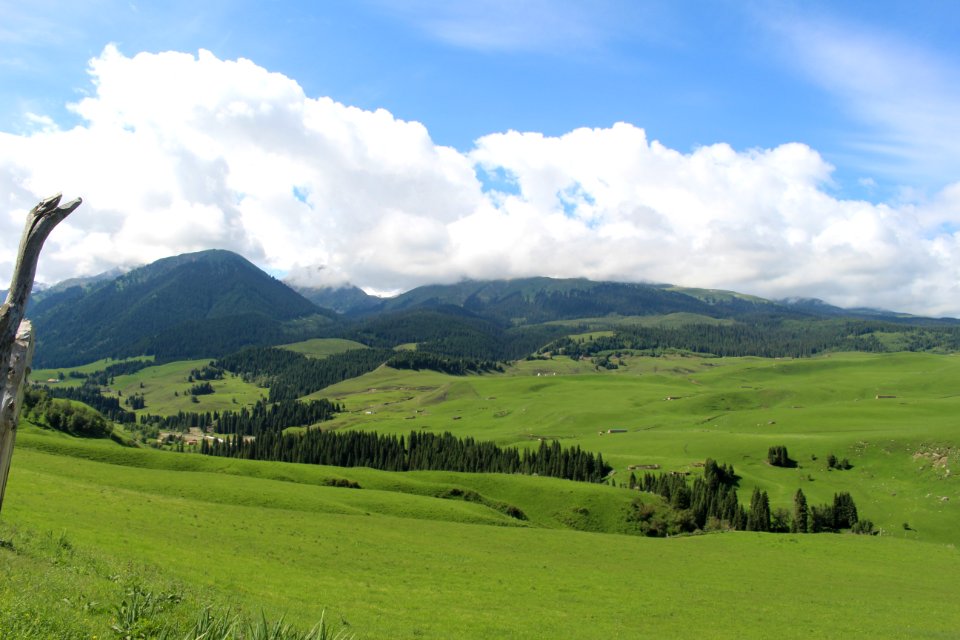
column 197, row 304
column 538, row 300
column 347, row 300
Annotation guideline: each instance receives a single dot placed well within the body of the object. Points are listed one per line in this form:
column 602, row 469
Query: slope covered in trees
column 416, row 452
column 170, row 300
column 212, row 303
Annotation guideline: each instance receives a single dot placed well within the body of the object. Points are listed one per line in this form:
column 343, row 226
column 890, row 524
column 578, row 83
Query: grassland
column 904, row 449
column 166, row 387
column 323, row 347
column 400, row 558
column 393, row 559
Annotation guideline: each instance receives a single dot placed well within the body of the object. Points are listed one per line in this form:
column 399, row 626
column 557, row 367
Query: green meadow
column 323, row 347
column 893, row 416
column 393, row 559
column 406, row 556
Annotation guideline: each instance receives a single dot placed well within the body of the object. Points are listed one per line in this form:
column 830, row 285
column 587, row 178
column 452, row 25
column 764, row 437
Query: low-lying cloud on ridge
column 179, row 152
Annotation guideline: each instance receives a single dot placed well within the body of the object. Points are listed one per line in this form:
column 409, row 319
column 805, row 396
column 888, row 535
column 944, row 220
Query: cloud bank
column 180, row 152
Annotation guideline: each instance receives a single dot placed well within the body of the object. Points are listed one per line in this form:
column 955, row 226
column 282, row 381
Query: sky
column 779, row 148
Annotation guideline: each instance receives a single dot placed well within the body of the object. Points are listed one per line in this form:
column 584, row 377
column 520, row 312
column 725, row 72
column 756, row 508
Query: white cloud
column 551, row 27
column 179, row 153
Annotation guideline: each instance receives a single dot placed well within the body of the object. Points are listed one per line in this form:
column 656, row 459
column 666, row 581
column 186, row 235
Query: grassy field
column 399, row 558
column 394, row 560
column 323, row 347
column 45, row 376
column 904, row 449
column 166, row 389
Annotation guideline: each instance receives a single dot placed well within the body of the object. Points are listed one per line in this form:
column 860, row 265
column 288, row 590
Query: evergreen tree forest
column 264, row 417
column 418, row 360
column 90, row 395
column 710, row 503
column 417, row 452
column 291, row 375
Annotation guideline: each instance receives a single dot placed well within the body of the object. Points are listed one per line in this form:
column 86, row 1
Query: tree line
column 291, row 375
column 711, row 503
column 417, row 452
column 90, row 395
column 417, row 360
column 263, row 417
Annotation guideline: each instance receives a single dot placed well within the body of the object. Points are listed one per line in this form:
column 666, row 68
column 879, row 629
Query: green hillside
column 677, row 411
column 172, row 307
column 393, row 560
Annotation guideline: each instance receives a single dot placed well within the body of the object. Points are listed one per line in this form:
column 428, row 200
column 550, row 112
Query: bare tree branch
column 16, row 351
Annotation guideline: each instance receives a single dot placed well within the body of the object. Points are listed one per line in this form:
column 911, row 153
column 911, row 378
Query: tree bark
column 16, row 336
column 12, row 397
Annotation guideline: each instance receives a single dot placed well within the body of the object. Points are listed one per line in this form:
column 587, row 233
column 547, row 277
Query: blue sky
column 869, row 89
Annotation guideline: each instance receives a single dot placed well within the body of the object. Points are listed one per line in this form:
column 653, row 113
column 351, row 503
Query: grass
column 323, row 347
column 730, row 409
column 404, row 556
column 166, row 389
column 273, row 536
column 43, row 376
column 54, row 588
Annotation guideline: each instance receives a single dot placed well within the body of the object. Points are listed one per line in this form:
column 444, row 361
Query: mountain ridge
column 208, row 303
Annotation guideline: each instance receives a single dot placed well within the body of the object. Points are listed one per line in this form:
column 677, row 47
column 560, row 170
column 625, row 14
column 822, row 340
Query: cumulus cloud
column 178, row 152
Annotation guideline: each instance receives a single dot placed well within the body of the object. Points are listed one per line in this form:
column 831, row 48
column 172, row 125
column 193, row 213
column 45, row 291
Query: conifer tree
column 800, row 515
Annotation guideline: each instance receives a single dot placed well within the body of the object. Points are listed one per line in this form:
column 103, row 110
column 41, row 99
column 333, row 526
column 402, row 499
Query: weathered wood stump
column 16, row 336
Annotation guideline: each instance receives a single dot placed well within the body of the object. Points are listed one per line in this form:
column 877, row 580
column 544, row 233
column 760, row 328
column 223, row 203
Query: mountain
column 537, row 300
column 41, row 291
column 346, row 300
column 211, row 303
column 198, row 304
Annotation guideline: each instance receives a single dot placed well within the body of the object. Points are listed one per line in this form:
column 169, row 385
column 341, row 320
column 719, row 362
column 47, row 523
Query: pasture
column 679, row 410
column 406, row 556
column 394, row 559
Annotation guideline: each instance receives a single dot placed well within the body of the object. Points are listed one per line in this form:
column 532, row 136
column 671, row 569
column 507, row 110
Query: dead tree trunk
column 16, row 336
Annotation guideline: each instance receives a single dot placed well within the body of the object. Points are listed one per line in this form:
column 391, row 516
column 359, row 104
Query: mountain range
column 210, row 303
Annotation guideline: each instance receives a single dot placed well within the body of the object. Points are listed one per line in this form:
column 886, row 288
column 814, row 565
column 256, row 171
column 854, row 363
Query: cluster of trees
column 417, row 452
column 711, row 503
column 65, row 416
column 418, row 360
column 778, row 457
column 90, row 395
column 292, row 375
column 136, row 401
column 839, row 465
column 206, row 372
column 201, row 389
column 840, row 514
column 262, row 417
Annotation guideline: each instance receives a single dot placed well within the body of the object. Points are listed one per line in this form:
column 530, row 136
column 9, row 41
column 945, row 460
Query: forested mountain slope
column 215, row 295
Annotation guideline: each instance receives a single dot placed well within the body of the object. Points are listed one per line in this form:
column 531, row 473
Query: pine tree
column 800, row 515
column 758, row 517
